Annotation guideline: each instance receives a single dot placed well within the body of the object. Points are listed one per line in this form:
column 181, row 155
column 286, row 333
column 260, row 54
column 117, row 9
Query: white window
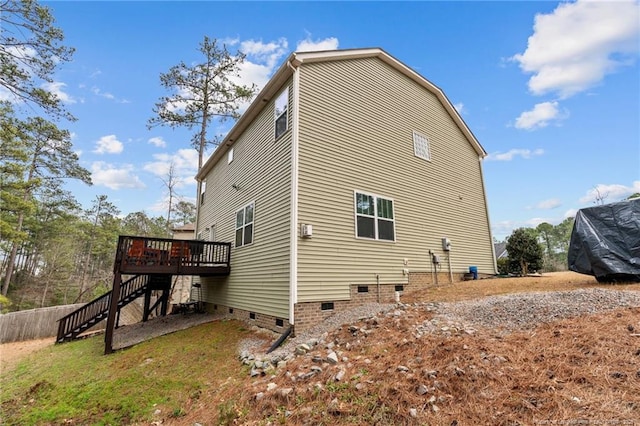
column 244, row 225
column 212, row 233
column 421, row 146
column 230, row 156
column 374, row 217
column 203, row 190
column 281, row 121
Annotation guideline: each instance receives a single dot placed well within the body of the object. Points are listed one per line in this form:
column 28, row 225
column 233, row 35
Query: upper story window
column 421, row 146
column 203, row 190
column 374, row 217
column 281, row 106
column 244, row 225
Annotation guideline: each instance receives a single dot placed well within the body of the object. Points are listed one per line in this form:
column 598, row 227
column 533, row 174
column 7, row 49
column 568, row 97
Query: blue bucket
column 474, row 270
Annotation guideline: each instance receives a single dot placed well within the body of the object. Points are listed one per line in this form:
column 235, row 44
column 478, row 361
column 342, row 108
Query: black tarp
column 605, row 242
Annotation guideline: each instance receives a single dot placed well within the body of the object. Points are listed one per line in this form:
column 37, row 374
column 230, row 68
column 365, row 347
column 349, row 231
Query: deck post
column 165, row 302
column 118, row 319
column 147, row 304
column 113, row 308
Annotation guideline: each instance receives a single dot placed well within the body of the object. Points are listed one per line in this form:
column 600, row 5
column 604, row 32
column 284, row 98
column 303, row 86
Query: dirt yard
column 11, row 353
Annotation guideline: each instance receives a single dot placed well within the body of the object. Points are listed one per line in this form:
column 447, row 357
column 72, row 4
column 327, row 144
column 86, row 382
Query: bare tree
column 170, row 181
column 599, row 196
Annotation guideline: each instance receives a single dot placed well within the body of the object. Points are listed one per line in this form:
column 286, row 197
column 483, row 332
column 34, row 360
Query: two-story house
column 349, row 178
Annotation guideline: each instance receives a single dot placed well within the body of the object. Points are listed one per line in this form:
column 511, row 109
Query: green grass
column 75, row 381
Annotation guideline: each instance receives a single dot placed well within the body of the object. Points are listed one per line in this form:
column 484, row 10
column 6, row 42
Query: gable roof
column 501, row 250
column 296, row 59
column 187, row 227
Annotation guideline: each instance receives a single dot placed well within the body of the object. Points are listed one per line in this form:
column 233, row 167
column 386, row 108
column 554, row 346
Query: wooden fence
column 43, row 322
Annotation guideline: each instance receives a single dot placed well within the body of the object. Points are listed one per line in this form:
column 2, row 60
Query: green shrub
column 503, row 265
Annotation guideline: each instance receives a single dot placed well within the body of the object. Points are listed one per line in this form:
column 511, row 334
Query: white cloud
column 162, row 203
column 6, row 95
column 575, row 46
column 549, row 204
column 258, row 67
column 309, row 45
column 610, row 193
column 460, row 108
column 511, row 154
column 540, row 116
column 115, row 178
column 254, row 73
column 262, row 59
column 185, row 166
column 158, row 141
column 570, row 213
column 503, row 229
column 108, row 145
column 230, row 41
column 264, row 51
column 57, row 88
column 96, row 91
column 535, row 221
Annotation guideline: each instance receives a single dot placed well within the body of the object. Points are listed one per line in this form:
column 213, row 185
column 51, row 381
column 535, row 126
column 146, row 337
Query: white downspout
column 293, row 245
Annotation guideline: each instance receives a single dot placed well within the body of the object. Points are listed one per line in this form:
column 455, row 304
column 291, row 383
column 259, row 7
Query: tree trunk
column 83, row 283
column 203, row 142
column 12, row 258
column 14, row 247
column 44, row 293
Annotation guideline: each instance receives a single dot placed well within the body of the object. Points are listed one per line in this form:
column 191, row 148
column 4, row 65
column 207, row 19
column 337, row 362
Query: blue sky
column 551, row 90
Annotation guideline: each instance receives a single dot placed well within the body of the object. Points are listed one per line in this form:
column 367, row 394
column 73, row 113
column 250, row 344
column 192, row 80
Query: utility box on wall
column 446, row 244
column 306, row 230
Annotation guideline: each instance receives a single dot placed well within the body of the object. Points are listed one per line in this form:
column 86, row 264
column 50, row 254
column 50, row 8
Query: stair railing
column 74, row 323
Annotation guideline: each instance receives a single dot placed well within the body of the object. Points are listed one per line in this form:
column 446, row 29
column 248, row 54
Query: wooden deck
column 143, row 255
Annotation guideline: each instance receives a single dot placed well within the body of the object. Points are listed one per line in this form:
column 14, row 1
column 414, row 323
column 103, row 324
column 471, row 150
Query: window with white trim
column 244, row 225
column 281, row 122
column 421, row 146
column 203, row 190
column 374, row 217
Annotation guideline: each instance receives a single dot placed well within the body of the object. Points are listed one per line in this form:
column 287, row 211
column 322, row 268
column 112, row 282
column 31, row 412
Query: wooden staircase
column 85, row 317
column 153, row 262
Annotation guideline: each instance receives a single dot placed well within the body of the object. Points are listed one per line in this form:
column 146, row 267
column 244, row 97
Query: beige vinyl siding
column 261, row 169
column 357, row 119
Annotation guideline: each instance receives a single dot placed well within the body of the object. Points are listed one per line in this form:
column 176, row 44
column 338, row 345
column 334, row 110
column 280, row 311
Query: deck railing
column 70, row 326
column 164, row 255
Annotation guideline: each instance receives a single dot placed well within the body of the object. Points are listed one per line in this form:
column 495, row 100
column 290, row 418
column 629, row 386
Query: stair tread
column 124, row 299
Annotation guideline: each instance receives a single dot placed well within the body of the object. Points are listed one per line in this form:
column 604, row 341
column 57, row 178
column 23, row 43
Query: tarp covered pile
column 605, row 242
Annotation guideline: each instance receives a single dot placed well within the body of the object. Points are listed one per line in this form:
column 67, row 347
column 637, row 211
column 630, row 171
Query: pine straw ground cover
column 576, row 371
